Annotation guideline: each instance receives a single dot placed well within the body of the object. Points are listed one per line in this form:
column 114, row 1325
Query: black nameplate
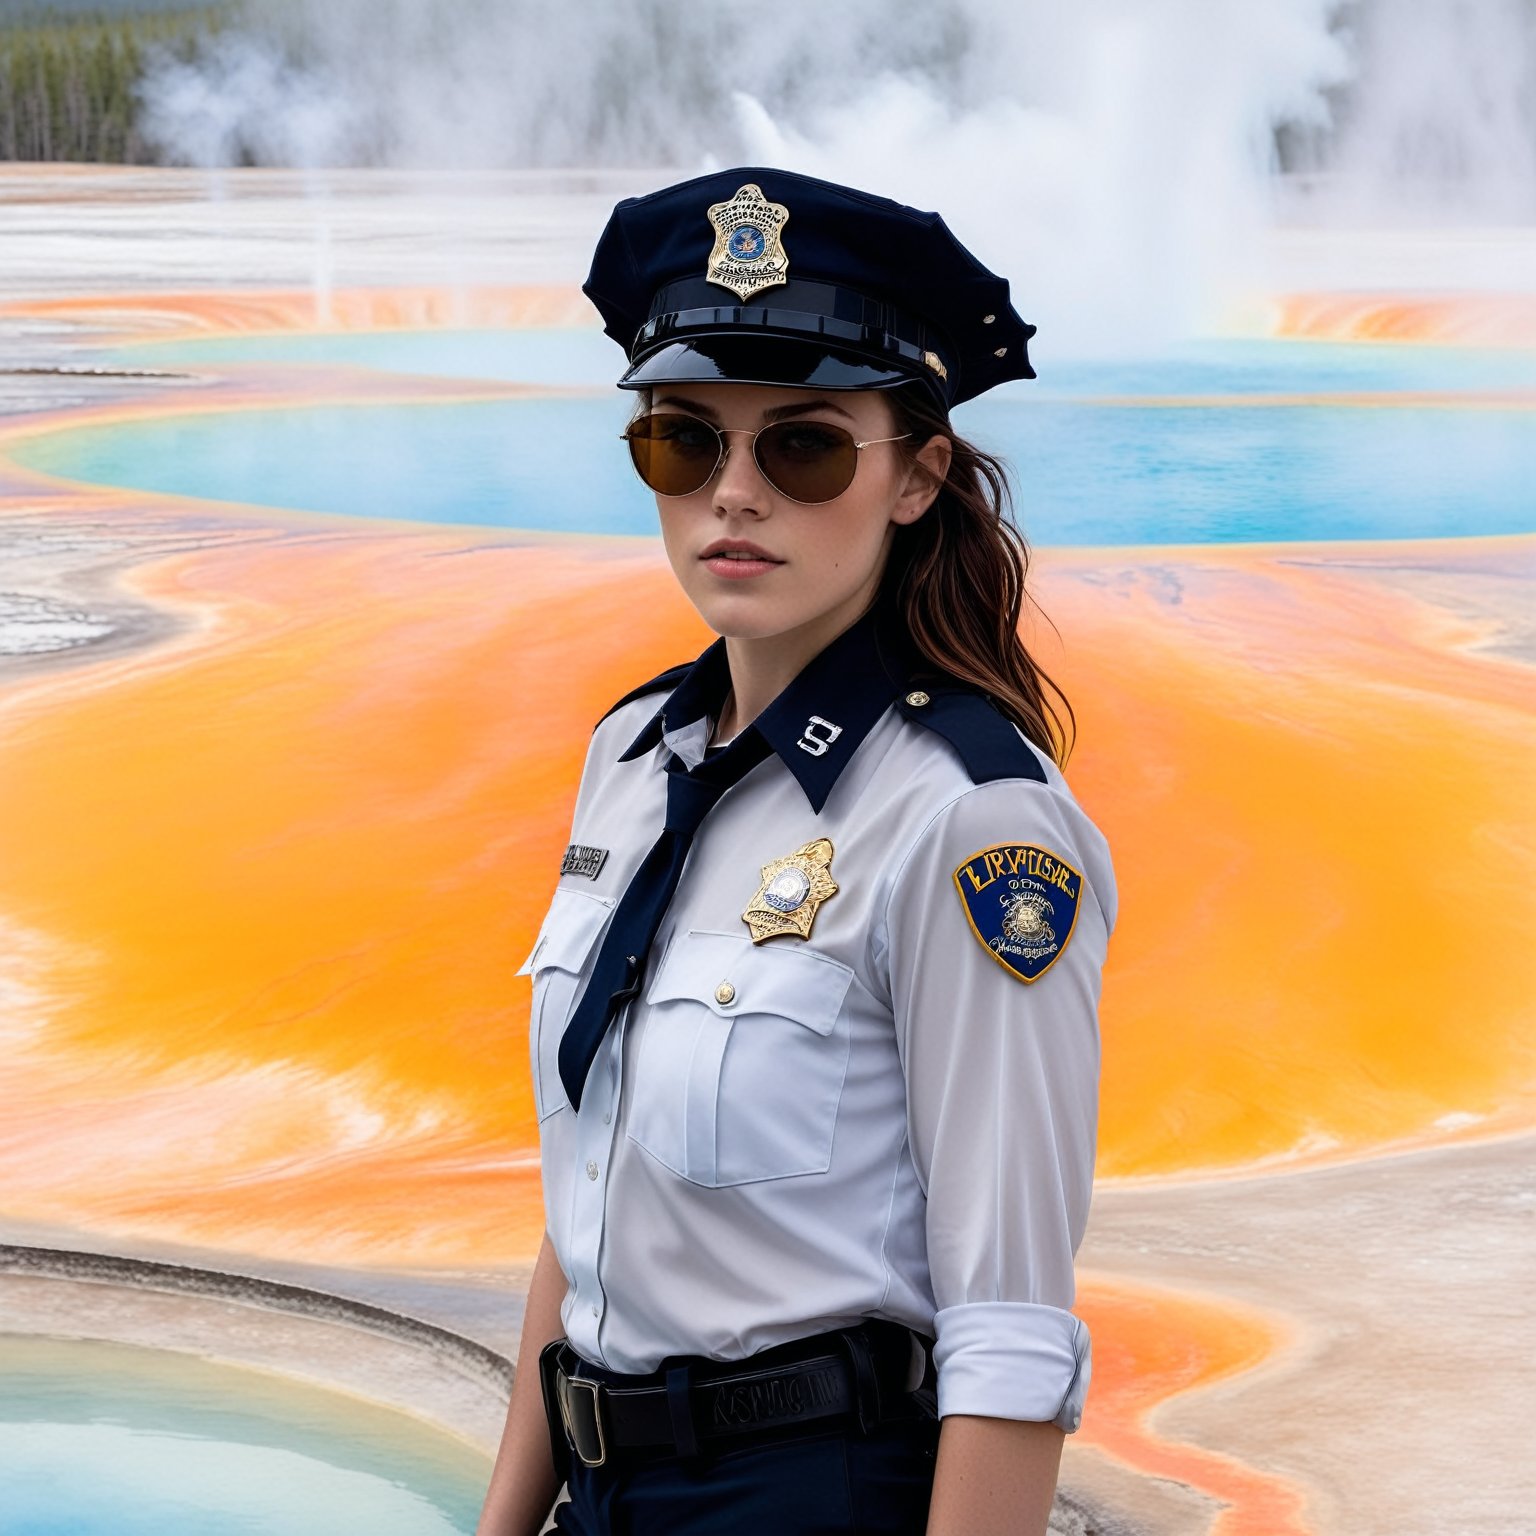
column 581, row 860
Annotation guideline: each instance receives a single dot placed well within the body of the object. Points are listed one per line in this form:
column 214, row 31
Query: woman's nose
column 739, row 483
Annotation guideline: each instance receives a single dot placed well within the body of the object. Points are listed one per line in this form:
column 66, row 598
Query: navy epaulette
column 986, row 739
column 663, row 680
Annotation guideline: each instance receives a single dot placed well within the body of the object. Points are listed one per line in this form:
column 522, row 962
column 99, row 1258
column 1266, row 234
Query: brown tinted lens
column 673, row 453
column 807, row 460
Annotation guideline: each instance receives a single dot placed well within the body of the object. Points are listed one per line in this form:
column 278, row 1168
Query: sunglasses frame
column 721, row 432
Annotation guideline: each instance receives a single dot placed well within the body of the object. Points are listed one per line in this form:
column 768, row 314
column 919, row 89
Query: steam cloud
column 1120, row 154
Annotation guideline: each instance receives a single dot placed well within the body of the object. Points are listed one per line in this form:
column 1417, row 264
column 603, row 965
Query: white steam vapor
column 1443, row 122
column 1114, row 158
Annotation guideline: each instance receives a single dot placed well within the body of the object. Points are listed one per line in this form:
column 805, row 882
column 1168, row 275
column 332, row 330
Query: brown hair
column 956, row 577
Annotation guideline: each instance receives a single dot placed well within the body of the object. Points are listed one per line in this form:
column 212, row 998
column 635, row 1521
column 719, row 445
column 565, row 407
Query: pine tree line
column 67, row 88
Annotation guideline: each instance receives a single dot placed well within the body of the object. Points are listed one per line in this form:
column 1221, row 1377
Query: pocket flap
column 570, row 929
column 729, row 974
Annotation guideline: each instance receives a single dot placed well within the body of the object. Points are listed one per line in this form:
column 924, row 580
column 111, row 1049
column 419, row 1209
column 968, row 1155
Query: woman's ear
column 926, row 475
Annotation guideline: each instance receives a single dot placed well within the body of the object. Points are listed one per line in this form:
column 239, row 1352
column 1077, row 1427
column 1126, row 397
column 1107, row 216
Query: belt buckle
column 579, row 1430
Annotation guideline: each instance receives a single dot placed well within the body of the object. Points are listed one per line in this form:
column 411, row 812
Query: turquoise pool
column 104, row 1439
column 1209, row 465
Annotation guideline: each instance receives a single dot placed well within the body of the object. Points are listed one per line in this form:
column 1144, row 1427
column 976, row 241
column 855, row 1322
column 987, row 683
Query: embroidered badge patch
column 1021, row 902
column 792, row 891
column 580, row 859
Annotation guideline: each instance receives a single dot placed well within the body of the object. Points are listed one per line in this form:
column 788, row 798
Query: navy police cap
column 762, row 276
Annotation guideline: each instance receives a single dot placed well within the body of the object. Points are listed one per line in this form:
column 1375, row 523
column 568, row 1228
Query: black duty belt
column 691, row 1406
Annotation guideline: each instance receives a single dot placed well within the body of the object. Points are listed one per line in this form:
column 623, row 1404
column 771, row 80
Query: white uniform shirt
column 878, row 1120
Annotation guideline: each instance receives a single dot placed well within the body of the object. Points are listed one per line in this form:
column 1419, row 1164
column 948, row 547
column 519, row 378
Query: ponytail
column 956, row 578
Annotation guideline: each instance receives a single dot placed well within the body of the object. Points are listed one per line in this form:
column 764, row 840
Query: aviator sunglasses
column 805, row 461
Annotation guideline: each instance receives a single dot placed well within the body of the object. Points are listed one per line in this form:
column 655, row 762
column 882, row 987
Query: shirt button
column 725, row 993
column 917, row 698
column 607, row 1116
column 594, row 1311
column 591, row 1170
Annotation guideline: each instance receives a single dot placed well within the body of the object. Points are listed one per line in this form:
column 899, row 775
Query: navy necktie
column 621, row 960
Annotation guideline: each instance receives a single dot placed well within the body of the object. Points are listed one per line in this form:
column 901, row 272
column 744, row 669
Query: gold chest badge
column 748, row 256
column 793, row 888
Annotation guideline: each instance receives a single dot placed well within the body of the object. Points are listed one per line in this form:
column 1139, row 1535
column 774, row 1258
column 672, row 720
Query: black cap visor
column 763, row 359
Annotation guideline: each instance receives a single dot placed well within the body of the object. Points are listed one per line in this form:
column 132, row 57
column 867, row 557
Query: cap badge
column 748, row 256
column 793, row 888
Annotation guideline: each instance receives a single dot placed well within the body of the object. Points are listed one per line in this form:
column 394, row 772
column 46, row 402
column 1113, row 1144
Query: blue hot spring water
column 1179, row 449
column 102, row 1439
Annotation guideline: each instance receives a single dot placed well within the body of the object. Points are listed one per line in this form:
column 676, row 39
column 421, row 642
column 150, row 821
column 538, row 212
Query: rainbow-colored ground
column 265, row 881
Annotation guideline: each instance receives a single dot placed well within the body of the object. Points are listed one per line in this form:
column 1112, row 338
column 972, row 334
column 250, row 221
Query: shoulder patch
column 663, row 681
column 988, row 744
column 1021, row 902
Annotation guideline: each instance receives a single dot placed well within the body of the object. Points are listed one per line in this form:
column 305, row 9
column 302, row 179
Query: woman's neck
column 761, row 669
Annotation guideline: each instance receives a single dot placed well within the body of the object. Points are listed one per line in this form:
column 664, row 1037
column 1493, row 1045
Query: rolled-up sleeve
column 1002, row 1086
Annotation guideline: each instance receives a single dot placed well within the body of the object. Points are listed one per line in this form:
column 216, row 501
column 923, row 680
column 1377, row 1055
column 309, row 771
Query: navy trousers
column 834, row 1484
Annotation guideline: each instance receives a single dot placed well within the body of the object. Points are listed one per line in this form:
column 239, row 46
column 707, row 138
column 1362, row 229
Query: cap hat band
column 802, row 308
column 764, row 357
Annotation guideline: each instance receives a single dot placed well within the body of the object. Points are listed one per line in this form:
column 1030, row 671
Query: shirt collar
column 820, row 719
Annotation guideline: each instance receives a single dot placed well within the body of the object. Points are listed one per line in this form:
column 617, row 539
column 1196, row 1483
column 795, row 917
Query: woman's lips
column 738, row 562
column 738, row 567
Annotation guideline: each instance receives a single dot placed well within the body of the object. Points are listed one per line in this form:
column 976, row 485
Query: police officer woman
column 814, row 1027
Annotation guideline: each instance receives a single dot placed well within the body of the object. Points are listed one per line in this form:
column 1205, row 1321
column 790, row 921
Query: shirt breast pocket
column 741, row 1065
column 561, row 957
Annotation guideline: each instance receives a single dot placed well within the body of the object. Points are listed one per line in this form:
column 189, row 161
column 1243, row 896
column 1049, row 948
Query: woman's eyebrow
column 779, row 412
column 687, row 405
